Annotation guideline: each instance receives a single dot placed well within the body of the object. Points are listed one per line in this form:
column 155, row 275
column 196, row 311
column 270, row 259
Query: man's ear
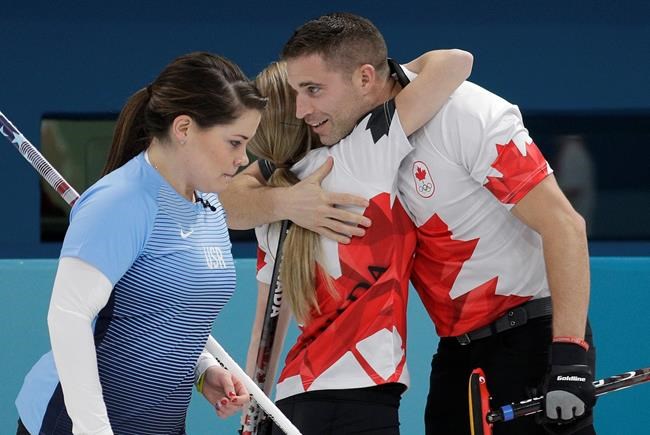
column 365, row 77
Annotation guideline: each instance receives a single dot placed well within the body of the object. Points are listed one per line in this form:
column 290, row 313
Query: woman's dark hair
column 209, row 88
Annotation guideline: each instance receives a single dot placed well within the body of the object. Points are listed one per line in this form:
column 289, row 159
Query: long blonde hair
column 283, row 140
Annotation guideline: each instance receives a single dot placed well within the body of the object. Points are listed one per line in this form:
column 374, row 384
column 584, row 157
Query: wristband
column 199, row 383
column 574, row 340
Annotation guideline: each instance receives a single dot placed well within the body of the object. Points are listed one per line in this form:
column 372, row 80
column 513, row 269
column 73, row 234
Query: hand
column 568, row 387
column 311, row 207
column 226, row 393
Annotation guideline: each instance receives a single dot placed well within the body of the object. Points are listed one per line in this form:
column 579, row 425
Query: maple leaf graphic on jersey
column 420, row 173
column 372, row 287
column 380, row 119
column 439, row 259
column 519, row 173
column 438, row 263
column 479, row 306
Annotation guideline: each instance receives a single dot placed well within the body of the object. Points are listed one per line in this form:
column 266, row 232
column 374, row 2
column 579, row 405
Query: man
column 496, row 237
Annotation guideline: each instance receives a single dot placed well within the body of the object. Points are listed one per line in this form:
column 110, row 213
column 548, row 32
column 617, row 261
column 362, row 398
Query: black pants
column 372, row 410
column 22, row 430
column 514, row 362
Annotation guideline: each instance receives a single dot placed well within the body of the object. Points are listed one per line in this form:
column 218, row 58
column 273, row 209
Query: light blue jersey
column 172, row 270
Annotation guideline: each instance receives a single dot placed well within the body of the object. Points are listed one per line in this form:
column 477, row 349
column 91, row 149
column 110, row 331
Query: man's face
column 326, row 99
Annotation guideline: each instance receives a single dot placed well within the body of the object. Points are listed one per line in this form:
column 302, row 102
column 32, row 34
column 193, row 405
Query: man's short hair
column 345, row 41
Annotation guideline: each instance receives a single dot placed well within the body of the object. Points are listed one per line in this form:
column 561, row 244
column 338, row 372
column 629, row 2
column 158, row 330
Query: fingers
column 339, row 238
column 562, row 406
column 339, row 231
column 326, row 213
column 320, row 173
column 348, row 218
column 340, row 225
column 227, row 383
column 345, row 222
column 346, row 199
column 238, row 397
column 333, row 223
column 241, row 394
column 227, row 407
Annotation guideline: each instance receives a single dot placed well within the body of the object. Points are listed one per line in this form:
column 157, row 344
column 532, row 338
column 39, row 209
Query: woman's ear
column 180, row 128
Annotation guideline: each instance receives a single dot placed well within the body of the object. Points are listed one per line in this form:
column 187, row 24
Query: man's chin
column 330, row 138
column 327, row 141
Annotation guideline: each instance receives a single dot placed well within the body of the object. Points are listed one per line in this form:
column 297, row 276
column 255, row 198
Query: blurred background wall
column 551, row 57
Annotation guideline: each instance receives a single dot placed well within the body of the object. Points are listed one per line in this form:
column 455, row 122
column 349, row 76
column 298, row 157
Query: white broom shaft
column 262, row 400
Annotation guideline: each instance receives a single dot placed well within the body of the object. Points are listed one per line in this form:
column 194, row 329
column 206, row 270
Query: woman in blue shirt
column 146, row 264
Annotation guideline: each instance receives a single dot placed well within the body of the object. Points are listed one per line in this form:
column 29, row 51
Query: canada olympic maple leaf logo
column 422, row 176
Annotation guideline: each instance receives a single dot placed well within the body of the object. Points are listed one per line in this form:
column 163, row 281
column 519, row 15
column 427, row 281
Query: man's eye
column 313, row 89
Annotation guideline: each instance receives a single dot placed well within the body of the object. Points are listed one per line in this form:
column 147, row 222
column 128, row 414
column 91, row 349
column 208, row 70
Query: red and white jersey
column 359, row 338
column 474, row 259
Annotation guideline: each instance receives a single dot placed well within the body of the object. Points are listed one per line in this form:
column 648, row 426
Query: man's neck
column 389, row 89
column 386, row 90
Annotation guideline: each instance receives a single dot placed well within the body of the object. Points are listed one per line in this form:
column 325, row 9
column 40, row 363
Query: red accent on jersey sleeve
column 519, row 173
column 260, row 259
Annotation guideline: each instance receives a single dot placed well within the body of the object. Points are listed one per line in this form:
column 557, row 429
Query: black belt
column 515, row 317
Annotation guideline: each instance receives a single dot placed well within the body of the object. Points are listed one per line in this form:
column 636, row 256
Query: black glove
column 568, row 388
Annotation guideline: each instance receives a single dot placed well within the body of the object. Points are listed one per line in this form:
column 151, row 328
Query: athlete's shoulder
column 473, row 100
column 470, row 110
column 311, row 161
column 468, row 99
column 113, row 219
column 127, row 191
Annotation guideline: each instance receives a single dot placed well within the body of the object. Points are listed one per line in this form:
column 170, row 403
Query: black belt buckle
column 515, row 317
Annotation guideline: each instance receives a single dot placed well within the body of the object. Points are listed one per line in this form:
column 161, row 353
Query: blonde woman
column 347, row 370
